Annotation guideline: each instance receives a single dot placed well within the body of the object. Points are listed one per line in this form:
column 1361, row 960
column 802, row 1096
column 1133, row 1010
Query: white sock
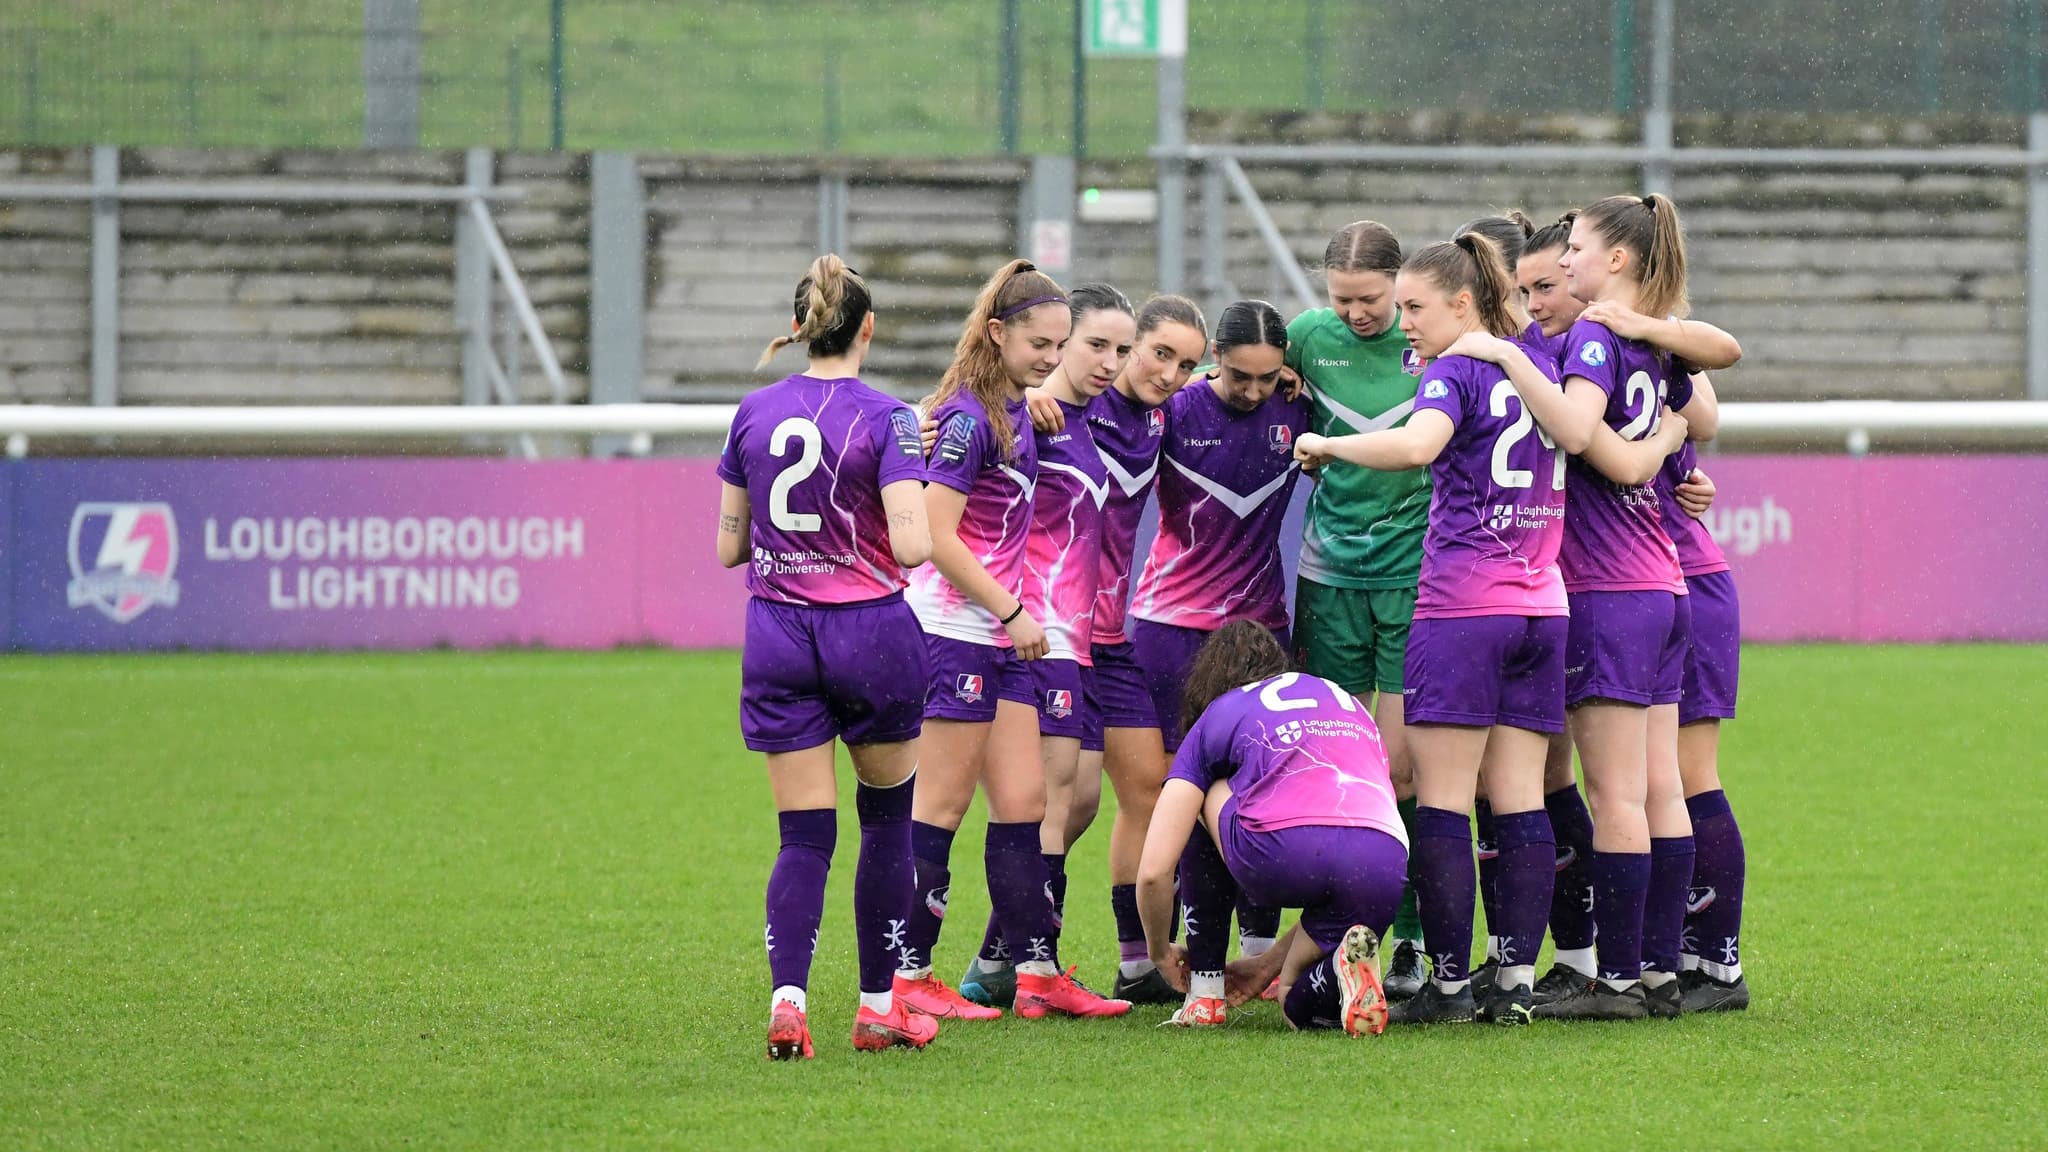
column 1493, row 949
column 1657, row 979
column 1452, row 987
column 914, row 974
column 984, row 965
column 1037, row 968
column 1132, row 969
column 1580, row 960
column 1520, row 975
column 1687, row 962
column 1206, row 985
column 880, row 1003
column 1250, row 946
column 790, row 994
column 1618, row 985
column 1725, row 973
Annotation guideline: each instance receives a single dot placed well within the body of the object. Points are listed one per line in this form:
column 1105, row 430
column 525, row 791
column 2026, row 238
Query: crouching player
column 1280, row 788
column 831, row 648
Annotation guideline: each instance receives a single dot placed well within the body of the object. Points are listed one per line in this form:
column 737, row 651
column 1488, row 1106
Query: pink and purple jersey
column 1225, row 478
column 1062, row 555
column 1297, row 750
column 1497, row 517
column 813, row 456
column 1614, row 538
column 1698, row 554
column 1127, row 438
column 995, row 523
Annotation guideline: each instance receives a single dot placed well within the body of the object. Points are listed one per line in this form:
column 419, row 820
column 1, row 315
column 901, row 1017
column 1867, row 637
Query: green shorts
column 1357, row 637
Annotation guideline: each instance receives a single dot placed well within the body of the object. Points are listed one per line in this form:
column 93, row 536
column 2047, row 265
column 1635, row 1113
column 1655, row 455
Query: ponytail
column 1648, row 227
column 1510, row 233
column 831, row 301
column 1471, row 263
column 1553, row 235
column 977, row 366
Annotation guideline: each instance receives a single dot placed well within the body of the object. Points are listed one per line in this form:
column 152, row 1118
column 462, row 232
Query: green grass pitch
column 514, row 900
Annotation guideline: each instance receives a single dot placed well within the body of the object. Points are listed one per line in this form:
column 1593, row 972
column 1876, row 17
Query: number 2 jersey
column 1614, row 537
column 1496, row 520
column 814, row 456
column 1297, row 750
column 994, row 524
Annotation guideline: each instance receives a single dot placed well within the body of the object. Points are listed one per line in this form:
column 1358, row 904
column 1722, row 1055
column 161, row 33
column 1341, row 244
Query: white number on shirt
column 1274, row 700
column 1652, row 400
column 1504, row 476
column 806, row 434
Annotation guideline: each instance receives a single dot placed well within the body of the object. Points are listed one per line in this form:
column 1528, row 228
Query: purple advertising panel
column 104, row 555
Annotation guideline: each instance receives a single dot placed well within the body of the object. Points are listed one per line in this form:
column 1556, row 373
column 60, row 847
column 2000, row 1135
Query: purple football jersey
column 1698, row 554
column 813, row 456
column 1297, row 750
column 1063, row 553
column 1224, row 482
column 1546, row 351
column 1497, row 517
column 993, row 526
column 1127, row 438
column 1614, row 538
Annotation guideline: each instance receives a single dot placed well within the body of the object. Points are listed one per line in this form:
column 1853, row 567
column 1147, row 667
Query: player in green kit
column 1361, row 548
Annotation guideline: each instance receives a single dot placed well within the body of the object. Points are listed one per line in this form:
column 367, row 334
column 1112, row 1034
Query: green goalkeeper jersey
column 1364, row 528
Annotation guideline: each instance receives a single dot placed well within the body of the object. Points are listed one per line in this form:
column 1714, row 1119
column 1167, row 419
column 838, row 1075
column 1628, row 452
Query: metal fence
column 963, row 76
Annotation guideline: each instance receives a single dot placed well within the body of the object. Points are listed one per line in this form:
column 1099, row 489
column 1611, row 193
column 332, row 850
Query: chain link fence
column 888, row 76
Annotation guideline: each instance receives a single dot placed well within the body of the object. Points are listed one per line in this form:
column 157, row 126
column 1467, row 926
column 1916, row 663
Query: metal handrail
column 165, row 192
column 1481, row 155
column 515, row 290
column 1276, row 244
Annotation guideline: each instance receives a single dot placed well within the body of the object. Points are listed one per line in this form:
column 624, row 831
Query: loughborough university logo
column 122, row 559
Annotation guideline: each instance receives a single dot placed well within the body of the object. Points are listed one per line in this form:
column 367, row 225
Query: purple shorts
column 1713, row 661
column 1337, row 875
column 1118, row 692
column 808, row 674
column 967, row 679
column 1479, row 671
column 1059, row 691
column 1627, row 647
column 1164, row 654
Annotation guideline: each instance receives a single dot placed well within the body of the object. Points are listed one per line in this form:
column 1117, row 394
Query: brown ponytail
column 1648, row 227
column 831, row 301
column 1471, row 263
column 977, row 366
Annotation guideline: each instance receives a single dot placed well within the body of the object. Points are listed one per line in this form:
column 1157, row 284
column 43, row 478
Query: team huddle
column 1501, row 565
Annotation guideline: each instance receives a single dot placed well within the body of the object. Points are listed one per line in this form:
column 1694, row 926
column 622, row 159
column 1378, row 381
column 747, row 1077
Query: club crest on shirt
column 1280, row 438
column 903, row 425
column 1059, row 703
column 1435, row 390
column 1593, row 352
column 1411, row 361
column 1155, row 422
column 1289, row 733
column 969, row 687
column 764, row 562
column 956, row 437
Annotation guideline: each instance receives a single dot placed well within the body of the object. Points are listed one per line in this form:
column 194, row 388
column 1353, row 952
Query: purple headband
column 1028, row 305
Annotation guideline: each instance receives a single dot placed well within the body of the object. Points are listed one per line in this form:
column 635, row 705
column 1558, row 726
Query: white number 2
column 1271, row 696
column 806, row 434
column 1504, row 476
column 1652, row 400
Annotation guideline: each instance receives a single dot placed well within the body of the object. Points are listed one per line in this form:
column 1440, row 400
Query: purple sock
column 1017, row 886
column 1486, row 845
column 1207, row 892
column 1445, row 888
column 1621, row 883
column 933, row 848
column 1130, row 929
column 1255, row 919
column 1664, row 907
column 1526, row 867
column 796, row 893
column 1713, row 920
column 1315, row 1000
column 884, row 882
column 1056, row 886
column 1571, row 900
column 993, row 948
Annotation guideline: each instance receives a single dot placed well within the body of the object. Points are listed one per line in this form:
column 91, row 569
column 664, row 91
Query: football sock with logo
column 1130, row 931
column 1207, row 892
column 1315, row 1001
column 1621, row 883
column 932, row 846
column 796, row 892
column 884, row 883
column 995, row 952
column 1571, row 898
column 1407, row 921
column 1671, row 859
column 1525, row 869
column 1017, row 883
column 1713, row 922
column 1486, row 844
column 1446, row 886
column 1257, row 925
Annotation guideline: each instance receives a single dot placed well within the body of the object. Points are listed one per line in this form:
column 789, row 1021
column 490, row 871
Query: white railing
column 1851, row 425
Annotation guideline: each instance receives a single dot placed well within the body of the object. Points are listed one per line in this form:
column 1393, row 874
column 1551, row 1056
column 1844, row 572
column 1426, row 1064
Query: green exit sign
column 1137, row 27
